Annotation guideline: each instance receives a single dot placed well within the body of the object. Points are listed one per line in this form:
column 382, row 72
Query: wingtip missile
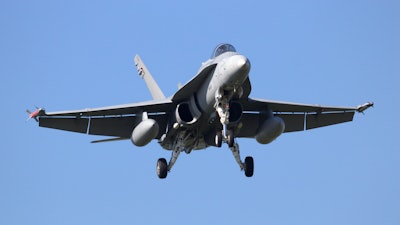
column 365, row 106
column 35, row 114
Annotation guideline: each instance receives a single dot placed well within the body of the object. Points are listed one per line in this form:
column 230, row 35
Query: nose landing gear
column 222, row 108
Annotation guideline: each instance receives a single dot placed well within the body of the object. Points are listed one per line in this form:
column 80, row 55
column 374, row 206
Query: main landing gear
column 163, row 167
column 182, row 139
column 222, row 108
column 226, row 135
column 247, row 165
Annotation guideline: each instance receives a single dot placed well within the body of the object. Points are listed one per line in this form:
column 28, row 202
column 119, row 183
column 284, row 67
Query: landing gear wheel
column 218, row 139
column 249, row 166
column 162, row 168
column 230, row 140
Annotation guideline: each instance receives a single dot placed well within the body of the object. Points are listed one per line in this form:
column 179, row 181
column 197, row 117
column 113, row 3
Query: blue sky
column 77, row 54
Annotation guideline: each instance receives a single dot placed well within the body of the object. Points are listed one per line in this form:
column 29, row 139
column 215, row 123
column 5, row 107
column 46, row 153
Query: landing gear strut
column 222, row 108
column 247, row 165
column 163, row 167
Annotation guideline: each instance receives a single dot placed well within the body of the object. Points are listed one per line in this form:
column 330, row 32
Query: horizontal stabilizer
column 109, row 140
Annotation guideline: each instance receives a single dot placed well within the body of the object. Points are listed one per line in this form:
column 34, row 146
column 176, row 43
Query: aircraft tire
column 162, row 168
column 230, row 139
column 218, row 139
column 249, row 166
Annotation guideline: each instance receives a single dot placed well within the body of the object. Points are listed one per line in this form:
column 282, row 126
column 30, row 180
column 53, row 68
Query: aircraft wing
column 297, row 116
column 117, row 121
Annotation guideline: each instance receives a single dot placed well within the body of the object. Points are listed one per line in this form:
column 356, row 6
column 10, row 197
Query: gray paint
column 150, row 82
column 224, row 71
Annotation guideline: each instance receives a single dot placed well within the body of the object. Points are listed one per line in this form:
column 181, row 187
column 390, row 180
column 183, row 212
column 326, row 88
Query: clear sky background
column 76, row 54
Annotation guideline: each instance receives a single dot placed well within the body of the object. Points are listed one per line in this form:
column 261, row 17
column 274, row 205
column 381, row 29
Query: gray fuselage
column 195, row 121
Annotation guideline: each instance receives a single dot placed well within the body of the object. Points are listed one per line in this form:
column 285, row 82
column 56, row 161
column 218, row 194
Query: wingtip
column 365, row 106
column 35, row 114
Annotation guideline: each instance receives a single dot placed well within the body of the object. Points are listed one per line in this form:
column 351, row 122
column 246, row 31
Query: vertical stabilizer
column 150, row 82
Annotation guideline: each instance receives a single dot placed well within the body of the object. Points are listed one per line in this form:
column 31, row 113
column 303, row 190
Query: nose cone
column 242, row 63
column 236, row 70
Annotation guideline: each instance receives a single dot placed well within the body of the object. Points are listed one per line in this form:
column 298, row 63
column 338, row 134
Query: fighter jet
column 213, row 108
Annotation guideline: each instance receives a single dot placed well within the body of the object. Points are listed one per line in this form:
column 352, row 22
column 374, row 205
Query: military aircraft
column 214, row 107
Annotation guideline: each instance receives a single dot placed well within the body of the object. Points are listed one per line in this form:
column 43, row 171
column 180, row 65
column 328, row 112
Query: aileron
column 79, row 125
column 327, row 119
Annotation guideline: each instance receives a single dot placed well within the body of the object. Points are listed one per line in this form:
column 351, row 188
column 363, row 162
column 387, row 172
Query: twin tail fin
column 150, row 82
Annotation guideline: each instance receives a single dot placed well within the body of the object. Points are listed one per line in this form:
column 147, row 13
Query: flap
column 293, row 122
column 113, row 126
column 122, row 126
column 251, row 121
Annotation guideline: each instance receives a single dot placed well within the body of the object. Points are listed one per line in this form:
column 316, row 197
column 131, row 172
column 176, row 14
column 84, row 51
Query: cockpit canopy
column 222, row 48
